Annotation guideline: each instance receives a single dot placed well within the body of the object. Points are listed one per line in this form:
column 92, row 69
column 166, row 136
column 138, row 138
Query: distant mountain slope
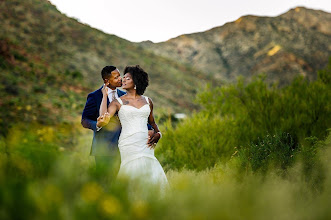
column 297, row 42
column 49, row 63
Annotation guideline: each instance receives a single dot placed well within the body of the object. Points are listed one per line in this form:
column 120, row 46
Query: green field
column 247, row 149
column 254, row 151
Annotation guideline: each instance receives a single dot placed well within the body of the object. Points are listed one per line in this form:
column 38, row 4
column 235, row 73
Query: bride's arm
column 106, row 114
column 113, row 108
column 103, row 106
column 151, row 121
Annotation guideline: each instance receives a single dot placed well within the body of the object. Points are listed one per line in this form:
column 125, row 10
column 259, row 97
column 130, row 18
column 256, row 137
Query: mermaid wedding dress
column 138, row 163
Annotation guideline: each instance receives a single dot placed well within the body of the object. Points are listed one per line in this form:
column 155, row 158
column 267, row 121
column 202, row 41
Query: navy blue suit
column 105, row 141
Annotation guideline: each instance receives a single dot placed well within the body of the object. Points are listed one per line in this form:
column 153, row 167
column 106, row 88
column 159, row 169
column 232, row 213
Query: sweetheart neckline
column 134, row 107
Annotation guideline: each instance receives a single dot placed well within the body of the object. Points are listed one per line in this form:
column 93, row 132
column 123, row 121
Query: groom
column 105, row 138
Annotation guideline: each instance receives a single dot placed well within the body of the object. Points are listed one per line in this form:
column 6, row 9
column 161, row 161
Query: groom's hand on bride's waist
column 152, row 140
column 150, row 134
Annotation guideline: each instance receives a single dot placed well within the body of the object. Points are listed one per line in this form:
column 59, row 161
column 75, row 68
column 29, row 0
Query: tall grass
column 254, row 152
column 64, row 186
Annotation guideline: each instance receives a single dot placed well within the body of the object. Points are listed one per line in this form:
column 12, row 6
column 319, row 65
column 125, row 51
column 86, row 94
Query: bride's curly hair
column 139, row 77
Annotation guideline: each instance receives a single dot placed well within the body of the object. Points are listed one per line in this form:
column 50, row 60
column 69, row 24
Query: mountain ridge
column 247, row 15
column 227, row 51
column 50, row 62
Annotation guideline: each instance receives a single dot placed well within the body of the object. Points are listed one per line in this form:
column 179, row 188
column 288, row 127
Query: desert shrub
column 203, row 142
column 235, row 115
column 313, row 168
column 277, row 151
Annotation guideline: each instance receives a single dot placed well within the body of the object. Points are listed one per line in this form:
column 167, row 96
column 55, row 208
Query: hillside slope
column 297, row 42
column 49, row 63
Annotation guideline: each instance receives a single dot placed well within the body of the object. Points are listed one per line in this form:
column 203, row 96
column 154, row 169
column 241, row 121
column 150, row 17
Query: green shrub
column 196, row 143
column 313, row 168
column 235, row 115
column 277, row 151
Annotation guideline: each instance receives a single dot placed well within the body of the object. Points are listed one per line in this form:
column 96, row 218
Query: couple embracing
column 124, row 121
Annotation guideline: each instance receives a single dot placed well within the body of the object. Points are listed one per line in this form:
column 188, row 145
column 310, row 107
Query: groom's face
column 115, row 79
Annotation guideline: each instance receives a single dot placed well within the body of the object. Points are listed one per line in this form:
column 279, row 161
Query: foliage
column 312, row 165
column 196, row 143
column 45, row 172
column 235, row 115
column 278, row 149
column 45, row 181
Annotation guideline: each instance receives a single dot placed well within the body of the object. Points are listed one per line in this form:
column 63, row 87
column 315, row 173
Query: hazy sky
column 160, row 20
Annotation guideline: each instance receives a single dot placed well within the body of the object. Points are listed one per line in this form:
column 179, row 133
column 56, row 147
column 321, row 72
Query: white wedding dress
column 138, row 163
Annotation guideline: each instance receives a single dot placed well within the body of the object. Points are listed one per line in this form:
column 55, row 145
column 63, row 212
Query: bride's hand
column 103, row 120
column 105, row 89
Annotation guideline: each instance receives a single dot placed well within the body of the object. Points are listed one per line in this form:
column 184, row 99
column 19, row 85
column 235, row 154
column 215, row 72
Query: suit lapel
column 120, row 93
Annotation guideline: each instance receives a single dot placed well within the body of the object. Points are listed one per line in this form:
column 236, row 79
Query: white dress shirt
column 110, row 94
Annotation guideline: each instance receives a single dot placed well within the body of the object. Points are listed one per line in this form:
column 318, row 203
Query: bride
column 138, row 163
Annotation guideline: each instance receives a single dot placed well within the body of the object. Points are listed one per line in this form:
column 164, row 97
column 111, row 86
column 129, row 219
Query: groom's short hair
column 106, row 71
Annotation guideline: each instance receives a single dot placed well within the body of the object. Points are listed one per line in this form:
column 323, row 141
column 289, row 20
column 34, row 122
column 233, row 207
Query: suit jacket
column 105, row 141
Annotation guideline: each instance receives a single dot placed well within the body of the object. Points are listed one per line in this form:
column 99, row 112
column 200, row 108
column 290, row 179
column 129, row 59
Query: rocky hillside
column 49, row 63
column 297, row 42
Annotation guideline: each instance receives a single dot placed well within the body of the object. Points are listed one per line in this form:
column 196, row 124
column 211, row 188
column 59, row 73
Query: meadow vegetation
column 254, row 151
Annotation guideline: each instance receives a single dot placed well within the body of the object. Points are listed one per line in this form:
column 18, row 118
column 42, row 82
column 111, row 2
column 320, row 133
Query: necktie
column 113, row 94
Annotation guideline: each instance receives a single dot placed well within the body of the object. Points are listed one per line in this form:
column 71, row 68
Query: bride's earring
column 135, row 87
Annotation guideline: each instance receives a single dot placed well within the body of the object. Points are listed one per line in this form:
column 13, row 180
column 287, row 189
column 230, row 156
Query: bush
column 196, row 143
column 277, row 151
column 237, row 114
column 313, row 168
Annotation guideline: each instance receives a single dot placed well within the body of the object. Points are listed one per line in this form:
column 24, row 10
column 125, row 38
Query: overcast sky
column 160, row 20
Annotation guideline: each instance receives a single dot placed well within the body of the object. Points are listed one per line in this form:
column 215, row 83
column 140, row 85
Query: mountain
column 49, row 63
column 297, row 42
